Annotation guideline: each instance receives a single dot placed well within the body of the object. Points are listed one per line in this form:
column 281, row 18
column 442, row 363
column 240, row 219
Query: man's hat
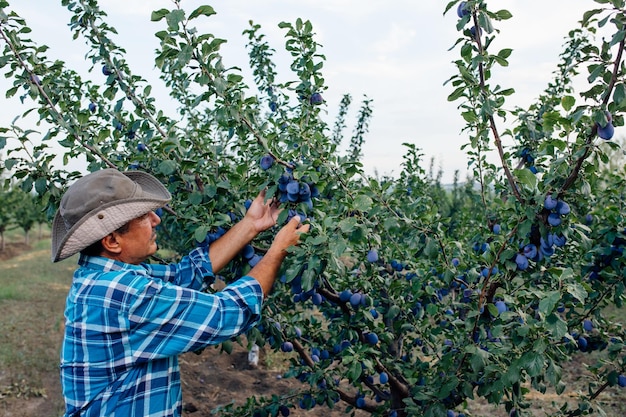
column 100, row 203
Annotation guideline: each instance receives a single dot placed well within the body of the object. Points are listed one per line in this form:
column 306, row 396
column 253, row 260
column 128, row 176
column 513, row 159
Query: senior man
column 126, row 321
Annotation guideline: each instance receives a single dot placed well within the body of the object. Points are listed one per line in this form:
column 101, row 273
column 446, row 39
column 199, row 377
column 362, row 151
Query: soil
column 13, row 249
column 209, row 380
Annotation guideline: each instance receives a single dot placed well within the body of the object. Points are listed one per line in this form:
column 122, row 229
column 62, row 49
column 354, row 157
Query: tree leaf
column 548, row 302
column 202, row 11
column 158, row 14
column 533, row 363
column 363, row 203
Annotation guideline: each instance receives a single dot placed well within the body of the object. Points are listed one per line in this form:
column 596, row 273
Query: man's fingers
column 301, row 227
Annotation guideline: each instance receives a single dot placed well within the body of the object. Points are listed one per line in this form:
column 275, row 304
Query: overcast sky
column 397, row 53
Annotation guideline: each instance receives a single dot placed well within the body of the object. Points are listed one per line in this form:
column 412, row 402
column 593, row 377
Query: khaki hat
column 100, row 203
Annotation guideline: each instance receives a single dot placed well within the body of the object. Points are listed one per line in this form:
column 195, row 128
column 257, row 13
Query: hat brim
column 107, row 218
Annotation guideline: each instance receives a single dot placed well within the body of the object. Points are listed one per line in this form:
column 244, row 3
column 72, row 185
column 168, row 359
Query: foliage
column 405, row 298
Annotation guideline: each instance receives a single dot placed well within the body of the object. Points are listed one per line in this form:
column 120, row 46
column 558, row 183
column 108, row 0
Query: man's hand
column 262, row 214
column 267, row 268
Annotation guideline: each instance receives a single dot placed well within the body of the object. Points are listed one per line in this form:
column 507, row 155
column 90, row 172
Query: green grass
column 32, row 300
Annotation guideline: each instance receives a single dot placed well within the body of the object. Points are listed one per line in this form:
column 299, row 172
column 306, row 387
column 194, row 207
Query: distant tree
column 29, row 212
column 7, row 213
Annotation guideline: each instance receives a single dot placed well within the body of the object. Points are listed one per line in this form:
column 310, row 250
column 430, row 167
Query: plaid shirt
column 126, row 324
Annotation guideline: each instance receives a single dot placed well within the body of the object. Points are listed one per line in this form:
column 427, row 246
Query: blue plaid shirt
column 126, row 324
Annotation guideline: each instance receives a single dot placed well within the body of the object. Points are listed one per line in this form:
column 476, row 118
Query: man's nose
column 155, row 219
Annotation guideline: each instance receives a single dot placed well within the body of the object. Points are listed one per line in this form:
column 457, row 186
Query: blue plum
column 355, row 299
column 266, row 162
column 293, row 188
column 316, row 99
column 462, row 10
column 522, row 262
column 345, row 295
column 562, row 208
column 501, row 306
column 607, row 131
column 372, row 338
column 550, row 203
column 554, row 219
column 559, row 240
column 530, row 251
column 383, row 378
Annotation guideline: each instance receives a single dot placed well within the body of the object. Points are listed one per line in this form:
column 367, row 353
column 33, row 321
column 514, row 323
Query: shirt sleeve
column 166, row 320
column 193, row 271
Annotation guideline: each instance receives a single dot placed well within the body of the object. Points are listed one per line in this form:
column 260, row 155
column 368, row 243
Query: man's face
column 139, row 242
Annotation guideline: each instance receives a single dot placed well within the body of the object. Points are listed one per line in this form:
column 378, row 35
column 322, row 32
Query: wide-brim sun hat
column 100, row 203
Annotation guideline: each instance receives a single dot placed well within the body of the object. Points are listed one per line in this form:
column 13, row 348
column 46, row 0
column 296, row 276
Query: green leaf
column 589, row 14
column 227, row 346
column 393, row 312
column 308, row 279
column 505, row 53
column 448, row 387
column 526, row 177
column 202, row 11
column 158, row 14
column 355, row 371
column 619, row 95
column 478, row 359
column 470, row 116
column 174, row 18
column 41, row 185
column 595, row 70
column 459, row 92
column 503, row 14
column 617, row 38
column 556, row 326
column 195, row 198
column 548, row 302
column 167, row 167
column 568, row 102
column 363, row 203
column 577, row 291
column 432, row 248
column 347, row 225
column 533, row 363
column 200, row 233
column 436, row 410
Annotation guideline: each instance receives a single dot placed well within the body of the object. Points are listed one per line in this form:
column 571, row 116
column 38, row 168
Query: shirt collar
column 106, row 264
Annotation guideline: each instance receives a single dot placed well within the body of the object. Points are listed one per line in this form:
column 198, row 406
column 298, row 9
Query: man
column 126, row 320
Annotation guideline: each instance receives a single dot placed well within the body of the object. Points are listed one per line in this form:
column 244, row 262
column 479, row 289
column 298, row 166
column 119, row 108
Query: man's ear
column 111, row 244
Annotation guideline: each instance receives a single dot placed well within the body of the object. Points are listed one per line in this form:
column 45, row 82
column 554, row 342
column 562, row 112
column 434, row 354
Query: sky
column 397, row 53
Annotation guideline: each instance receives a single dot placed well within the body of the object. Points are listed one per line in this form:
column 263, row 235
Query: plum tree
column 450, row 307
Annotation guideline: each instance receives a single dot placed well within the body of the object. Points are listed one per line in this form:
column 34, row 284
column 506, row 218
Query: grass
column 32, row 300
